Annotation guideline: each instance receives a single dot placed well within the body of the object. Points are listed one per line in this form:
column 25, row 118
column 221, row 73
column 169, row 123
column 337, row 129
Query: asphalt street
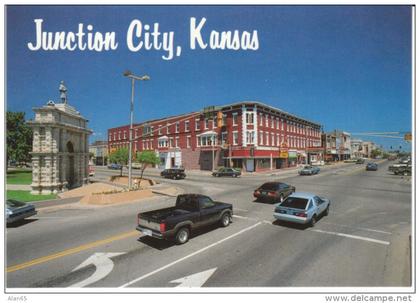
column 364, row 241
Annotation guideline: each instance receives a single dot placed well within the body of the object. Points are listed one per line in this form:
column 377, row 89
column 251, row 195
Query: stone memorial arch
column 60, row 152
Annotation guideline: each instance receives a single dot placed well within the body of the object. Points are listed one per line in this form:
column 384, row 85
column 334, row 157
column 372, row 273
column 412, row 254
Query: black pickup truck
column 190, row 212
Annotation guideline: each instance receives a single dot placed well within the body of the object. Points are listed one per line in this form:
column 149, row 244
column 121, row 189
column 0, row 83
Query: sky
column 345, row 67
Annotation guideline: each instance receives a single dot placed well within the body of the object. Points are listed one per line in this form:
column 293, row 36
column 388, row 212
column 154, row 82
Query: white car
column 302, row 208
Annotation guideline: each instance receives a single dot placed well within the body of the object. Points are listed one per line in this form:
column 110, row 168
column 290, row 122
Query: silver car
column 17, row 210
column 302, row 208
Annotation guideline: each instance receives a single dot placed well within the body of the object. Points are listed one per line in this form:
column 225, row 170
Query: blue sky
column 346, row 67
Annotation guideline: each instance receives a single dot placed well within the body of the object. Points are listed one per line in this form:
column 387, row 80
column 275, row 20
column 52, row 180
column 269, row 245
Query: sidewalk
column 18, row 187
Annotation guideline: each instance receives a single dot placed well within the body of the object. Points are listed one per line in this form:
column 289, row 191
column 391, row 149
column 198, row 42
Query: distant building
column 99, row 149
column 337, row 146
column 250, row 135
column 356, row 148
column 367, row 148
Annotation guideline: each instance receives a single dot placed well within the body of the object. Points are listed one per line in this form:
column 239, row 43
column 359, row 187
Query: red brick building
column 249, row 135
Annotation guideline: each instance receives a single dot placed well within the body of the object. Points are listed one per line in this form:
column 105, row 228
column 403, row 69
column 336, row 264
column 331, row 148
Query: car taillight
column 256, row 193
column 162, row 227
column 271, row 193
column 301, row 214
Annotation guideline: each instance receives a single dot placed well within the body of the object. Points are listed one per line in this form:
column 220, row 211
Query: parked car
column 17, row 210
column 91, row 170
column 274, row 191
column 400, row 168
column 114, row 166
column 372, row 166
column 225, row 171
column 135, row 165
column 302, row 208
column 360, row 161
column 309, row 170
column 190, row 212
column 174, row 173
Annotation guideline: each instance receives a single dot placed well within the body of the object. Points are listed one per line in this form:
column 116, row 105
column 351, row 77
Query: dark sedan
column 372, row 166
column 273, row 191
column 114, row 166
column 17, row 210
column 309, row 170
column 226, row 172
column 174, row 173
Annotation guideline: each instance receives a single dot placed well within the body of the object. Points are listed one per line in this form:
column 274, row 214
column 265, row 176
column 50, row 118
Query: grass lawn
column 19, row 177
column 25, row 196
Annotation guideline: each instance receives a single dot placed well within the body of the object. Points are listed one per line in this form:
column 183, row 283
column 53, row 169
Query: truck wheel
column 225, row 219
column 182, row 235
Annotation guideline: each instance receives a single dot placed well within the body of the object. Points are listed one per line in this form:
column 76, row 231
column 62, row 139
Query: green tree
column 375, row 153
column 120, row 156
column 19, row 138
column 147, row 158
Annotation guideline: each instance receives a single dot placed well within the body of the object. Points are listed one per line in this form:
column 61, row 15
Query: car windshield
column 269, row 186
column 295, row 202
column 307, row 167
column 14, row 203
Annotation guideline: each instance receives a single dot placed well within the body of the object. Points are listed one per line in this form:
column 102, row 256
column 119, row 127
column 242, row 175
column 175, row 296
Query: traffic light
column 219, row 119
column 407, row 137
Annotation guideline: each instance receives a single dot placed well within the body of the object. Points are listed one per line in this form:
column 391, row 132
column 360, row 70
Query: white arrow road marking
column 103, row 264
column 195, row 280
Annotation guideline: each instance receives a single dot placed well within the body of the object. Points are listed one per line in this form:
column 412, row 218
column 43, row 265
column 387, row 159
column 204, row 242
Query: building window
column 198, row 141
column 224, row 136
column 187, row 126
column 125, row 135
column 277, row 123
column 135, row 133
column 147, row 144
column 235, row 119
column 167, row 128
column 250, row 137
column 177, row 142
column 151, row 144
column 171, row 142
column 282, row 126
column 110, row 138
column 206, row 123
column 197, row 124
column 143, row 145
column 261, row 119
column 272, row 122
column 261, row 138
column 224, row 122
column 163, row 142
column 266, row 120
column 188, row 141
column 235, row 138
column 267, row 138
column 214, row 121
column 249, row 118
column 119, row 135
column 160, row 129
column 272, row 139
column 177, row 127
column 278, row 140
column 207, row 141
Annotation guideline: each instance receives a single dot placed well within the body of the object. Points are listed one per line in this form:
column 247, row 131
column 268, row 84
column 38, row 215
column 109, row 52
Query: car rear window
column 269, row 186
column 294, row 202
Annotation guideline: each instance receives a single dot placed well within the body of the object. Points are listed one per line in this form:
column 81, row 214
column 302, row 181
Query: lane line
column 70, row 251
column 352, row 236
column 240, row 209
column 188, row 256
column 361, row 228
column 241, row 217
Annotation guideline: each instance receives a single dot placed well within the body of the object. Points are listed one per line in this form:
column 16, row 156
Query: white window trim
column 197, row 125
column 233, row 138
column 188, row 141
column 234, row 117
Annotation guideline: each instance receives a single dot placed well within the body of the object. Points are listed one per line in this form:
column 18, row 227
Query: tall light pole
column 133, row 78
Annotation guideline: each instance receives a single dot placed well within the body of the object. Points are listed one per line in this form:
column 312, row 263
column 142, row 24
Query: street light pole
column 133, row 77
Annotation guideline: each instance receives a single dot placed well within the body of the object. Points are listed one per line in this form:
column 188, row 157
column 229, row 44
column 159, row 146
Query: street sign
column 284, row 154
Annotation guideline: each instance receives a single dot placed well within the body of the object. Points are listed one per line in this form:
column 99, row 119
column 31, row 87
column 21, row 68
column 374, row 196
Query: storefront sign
column 292, row 154
column 284, row 154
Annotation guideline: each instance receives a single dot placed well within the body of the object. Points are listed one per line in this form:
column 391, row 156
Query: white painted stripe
column 189, row 256
column 360, row 228
column 240, row 217
column 240, row 209
column 352, row 236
